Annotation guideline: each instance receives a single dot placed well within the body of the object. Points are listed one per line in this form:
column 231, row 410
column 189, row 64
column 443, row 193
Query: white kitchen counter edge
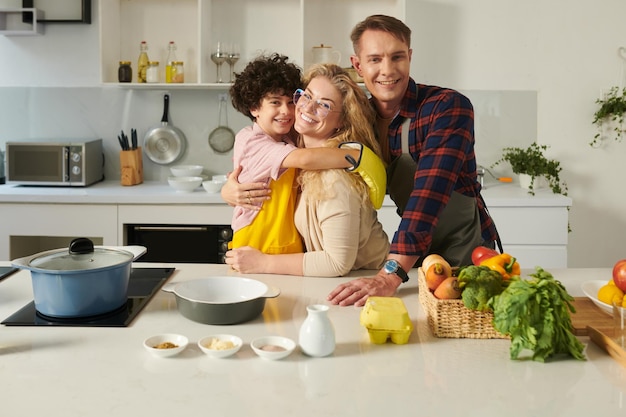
column 155, row 192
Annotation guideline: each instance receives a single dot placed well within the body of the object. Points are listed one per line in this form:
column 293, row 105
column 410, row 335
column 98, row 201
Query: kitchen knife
column 121, row 141
column 133, row 137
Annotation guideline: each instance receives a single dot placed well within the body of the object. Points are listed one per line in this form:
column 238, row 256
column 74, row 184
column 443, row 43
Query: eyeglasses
column 320, row 108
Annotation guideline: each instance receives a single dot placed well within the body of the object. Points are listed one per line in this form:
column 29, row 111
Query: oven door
column 180, row 243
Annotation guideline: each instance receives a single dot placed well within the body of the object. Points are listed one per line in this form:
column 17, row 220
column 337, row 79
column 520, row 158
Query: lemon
column 609, row 293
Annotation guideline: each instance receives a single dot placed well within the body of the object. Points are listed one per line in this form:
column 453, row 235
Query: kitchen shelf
column 11, row 22
column 196, row 25
column 60, row 11
column 172, row 86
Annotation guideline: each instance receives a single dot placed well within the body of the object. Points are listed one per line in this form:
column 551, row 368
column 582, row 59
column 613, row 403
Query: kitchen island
column 100, row 371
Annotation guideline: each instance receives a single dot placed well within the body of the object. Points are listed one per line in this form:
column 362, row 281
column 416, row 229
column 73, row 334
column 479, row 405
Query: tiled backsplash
column 503, row 118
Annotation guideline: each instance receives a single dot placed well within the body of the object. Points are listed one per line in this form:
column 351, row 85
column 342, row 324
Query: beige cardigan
column 341, row 233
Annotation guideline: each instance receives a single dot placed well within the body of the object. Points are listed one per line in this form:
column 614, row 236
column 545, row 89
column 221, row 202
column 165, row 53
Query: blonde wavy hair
column 357, row 125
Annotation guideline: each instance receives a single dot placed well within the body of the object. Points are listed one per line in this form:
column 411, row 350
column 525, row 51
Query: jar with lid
column 178, row 72
column 125, row 72
column 152, row 72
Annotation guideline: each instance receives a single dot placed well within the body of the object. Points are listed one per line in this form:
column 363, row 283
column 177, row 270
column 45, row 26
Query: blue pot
column 82, row 281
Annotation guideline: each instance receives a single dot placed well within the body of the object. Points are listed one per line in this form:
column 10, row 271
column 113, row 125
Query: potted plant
column 532, row 162
column 612, row 109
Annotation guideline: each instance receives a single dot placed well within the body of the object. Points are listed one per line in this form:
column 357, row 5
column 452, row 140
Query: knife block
column 131, row 164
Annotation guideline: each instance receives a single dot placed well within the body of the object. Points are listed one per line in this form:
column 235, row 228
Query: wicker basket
column 450, row 318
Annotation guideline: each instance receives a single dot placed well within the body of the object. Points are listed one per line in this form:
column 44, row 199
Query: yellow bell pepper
column 504, row 263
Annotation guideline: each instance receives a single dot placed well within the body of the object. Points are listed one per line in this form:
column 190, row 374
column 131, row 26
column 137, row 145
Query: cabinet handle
column 171, row 229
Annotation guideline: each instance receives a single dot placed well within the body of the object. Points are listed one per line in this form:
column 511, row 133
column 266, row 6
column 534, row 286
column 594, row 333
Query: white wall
column 533, row 69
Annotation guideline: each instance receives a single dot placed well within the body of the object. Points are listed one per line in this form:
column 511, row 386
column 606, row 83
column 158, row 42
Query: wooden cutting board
column 588, row 314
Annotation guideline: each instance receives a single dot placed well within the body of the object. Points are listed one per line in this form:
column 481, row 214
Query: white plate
column 590, row 288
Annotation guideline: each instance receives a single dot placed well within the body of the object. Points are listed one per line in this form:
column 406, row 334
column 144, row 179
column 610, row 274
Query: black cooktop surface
column 5, row 271
column 143, row 284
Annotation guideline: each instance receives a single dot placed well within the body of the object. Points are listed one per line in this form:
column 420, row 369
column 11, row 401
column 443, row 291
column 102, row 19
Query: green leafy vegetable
column 535, row 313
column 478, row 284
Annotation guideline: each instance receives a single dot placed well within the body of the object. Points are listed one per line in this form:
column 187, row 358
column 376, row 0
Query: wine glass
column 233, row 57
column 218, row 56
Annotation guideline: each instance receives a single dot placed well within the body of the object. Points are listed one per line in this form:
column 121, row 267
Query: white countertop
column 155, row 192
column 67, row 371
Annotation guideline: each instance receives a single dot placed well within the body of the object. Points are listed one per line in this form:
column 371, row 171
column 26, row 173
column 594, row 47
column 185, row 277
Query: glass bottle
column 142, row 63
column 171, row 58
column 317, row 334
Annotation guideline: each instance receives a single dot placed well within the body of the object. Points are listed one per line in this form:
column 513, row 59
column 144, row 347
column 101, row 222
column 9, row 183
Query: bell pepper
column 504, row 263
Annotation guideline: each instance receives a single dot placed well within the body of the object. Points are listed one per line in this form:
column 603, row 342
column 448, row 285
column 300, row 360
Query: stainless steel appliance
column 70, row 164
column 186, row 243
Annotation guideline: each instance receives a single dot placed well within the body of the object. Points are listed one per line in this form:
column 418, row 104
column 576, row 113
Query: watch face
column 391, row 266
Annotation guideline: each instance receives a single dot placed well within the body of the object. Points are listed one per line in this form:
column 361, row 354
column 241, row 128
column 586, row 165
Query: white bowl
column 186, row 170
column 283, row 346
column 184, row 184
column 219, row 352
column 590, row 288
column 212, row 186
column 179, row 340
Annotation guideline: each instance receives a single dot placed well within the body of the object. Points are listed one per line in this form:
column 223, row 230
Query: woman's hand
column 250, row 195
column 359, row 290
column 246, row 260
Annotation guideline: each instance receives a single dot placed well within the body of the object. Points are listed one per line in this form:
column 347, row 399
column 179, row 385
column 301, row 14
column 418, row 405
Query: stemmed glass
column 218, row 56
column 233, row 57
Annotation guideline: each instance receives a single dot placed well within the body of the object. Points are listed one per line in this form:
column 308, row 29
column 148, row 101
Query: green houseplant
column 532, row 161
column 612, row 109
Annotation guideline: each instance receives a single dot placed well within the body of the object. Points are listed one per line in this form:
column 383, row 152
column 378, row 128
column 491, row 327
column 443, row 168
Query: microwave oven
column 69, row 164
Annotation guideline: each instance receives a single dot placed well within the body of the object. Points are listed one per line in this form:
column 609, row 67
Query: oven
column 181, row 243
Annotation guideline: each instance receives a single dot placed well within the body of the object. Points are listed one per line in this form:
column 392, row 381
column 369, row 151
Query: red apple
column 619, row 274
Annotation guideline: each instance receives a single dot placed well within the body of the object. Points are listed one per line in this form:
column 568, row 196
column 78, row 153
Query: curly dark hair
column 264, row 75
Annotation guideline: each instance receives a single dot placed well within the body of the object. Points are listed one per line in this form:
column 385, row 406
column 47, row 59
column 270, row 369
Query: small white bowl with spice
column 220, row 345
column 273, row 347
column 166, row 345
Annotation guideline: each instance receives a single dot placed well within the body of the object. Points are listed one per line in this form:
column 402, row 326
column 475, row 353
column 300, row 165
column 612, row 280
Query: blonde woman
column 334, row 214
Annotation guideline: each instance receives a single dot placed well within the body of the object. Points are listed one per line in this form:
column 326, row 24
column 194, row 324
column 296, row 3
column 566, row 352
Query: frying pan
column 222, row 138
column 164, row 144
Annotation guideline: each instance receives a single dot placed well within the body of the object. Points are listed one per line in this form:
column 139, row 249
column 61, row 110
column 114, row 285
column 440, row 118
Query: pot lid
column 80, row 256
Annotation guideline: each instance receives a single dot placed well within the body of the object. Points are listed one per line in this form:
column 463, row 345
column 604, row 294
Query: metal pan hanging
column 165, row 143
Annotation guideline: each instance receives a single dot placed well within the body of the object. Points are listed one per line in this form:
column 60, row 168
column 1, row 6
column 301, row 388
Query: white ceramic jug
column 325, row 54
column 317, row 334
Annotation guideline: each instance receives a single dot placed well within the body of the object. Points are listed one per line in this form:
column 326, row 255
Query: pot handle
column 272, row 292
column 169, row 287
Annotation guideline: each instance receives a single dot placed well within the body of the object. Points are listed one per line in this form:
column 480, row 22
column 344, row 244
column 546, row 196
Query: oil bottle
column 142, row 63
column 171, row 58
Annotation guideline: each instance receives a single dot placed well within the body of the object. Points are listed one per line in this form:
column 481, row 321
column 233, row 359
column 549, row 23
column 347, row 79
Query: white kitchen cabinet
column 289, row 27
column 30, row 228
column 533, row 228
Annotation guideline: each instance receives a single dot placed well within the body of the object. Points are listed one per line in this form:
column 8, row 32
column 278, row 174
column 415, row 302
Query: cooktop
column 143, row 284
column 5, row 271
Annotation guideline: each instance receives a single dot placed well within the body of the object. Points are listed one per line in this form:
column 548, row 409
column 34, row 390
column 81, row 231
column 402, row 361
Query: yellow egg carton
column 386, row 318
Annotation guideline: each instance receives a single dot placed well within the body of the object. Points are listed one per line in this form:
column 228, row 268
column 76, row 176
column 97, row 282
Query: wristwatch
column 393, row 267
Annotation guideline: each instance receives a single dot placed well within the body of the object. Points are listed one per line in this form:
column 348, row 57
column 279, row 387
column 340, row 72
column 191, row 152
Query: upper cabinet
column 289, row 27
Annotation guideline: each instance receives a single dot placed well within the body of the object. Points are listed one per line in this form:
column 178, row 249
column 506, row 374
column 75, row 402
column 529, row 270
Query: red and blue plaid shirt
column 441, row 141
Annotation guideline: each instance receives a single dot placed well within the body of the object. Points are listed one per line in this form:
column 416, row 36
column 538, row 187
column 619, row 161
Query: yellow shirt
column 273, row 230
